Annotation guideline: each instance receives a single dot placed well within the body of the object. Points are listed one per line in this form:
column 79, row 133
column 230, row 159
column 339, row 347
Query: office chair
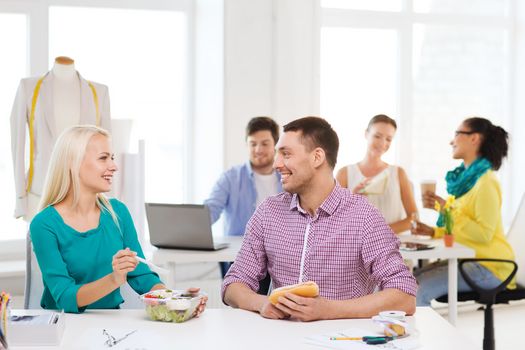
column 34, row 286
column 499, row 294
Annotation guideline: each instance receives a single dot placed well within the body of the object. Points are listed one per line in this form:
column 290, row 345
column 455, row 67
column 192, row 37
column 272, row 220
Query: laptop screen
column 179, row 226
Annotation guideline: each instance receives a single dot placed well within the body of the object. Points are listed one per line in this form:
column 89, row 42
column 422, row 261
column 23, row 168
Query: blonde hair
column 63, row 173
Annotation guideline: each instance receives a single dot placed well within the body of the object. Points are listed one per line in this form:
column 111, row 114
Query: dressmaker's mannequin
column 63, row 99
column 66, row 94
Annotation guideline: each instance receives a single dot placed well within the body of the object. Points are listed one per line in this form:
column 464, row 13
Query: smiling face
column 294, row 162
column 262, row 149
column 98, row 165
column 465, row 143
column 379, row 138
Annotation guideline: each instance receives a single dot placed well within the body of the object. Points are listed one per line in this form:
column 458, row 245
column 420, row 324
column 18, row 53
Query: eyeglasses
column 461, row 132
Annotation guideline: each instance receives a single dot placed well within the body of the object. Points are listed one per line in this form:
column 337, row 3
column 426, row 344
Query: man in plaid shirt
column 318, row 231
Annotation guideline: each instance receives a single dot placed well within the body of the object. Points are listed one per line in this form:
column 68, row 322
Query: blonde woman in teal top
column 86, row 244
column 70, row 259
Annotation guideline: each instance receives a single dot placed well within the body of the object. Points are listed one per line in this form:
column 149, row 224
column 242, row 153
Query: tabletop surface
column 238, row 329
column 163, row 256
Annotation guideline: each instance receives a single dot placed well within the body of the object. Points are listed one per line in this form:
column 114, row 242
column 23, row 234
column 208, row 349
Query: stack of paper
column 35, row 328
column 44, row 319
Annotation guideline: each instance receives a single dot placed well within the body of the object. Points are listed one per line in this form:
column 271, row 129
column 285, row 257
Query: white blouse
column 389, row 202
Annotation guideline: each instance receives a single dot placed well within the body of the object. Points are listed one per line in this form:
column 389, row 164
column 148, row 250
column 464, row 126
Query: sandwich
column 306, row 289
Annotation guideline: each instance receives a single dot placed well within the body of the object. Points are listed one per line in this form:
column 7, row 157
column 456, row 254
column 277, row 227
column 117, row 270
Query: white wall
column 271, row 60
column 208, row 109
column 248, row 68
column 270, row 66
column 517, row 131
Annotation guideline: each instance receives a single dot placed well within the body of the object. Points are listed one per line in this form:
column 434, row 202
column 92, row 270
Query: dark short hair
column 263, row 123
column 381, row 118
column 317, row 132
column 494, row 141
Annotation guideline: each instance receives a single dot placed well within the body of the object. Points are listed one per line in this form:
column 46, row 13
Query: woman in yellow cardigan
column 477, row 210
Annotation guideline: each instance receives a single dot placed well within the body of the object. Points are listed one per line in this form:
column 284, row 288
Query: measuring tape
column 32, row 127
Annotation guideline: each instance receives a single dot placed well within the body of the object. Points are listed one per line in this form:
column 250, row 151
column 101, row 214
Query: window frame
column 404, row 21
column 37, row 12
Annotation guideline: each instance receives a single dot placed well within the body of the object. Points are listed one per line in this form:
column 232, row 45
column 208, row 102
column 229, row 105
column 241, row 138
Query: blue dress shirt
column 235, row 194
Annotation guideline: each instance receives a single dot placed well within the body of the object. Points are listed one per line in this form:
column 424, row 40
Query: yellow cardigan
column 477, row 224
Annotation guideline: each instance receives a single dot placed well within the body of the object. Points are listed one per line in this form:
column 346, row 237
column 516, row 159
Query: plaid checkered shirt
column 346, row 248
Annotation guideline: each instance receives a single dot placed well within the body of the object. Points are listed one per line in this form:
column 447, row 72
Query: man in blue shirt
column 243, row 187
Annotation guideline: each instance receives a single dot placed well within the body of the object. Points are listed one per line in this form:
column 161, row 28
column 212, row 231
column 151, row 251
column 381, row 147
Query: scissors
column 377, row 340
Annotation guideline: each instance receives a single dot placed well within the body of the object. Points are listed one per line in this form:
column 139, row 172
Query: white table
column 452, row 254
column 458, row 251
column 166, row 256
column 235, row 329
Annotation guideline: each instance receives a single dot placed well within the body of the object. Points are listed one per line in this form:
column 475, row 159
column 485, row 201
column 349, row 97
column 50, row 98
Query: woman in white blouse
column 386, row 186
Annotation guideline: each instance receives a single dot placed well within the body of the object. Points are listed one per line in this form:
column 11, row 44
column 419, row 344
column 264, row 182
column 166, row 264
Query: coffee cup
column 428, row 186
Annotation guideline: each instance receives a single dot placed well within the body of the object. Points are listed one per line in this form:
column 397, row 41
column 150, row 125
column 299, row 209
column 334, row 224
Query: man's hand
column 268, row 310
column 305, row 309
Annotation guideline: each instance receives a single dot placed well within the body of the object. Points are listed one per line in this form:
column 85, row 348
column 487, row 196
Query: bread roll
column 306, row 289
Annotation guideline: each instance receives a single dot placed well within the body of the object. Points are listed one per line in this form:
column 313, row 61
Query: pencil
column 346, row 338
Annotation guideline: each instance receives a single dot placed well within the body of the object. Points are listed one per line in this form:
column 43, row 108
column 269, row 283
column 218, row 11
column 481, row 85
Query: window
column 433, row 63
column 139, row 50
column 474, row 7
column 146, row 79
column 371, row 5
column 358, row 80
column 466, row 78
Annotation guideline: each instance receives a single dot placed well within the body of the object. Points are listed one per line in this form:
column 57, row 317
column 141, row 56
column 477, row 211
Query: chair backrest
column 516, row 238
column 34, row 285
column 131, row 298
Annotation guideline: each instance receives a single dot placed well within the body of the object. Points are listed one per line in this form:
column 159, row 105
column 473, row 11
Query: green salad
column 162, row 313
column 170, row 305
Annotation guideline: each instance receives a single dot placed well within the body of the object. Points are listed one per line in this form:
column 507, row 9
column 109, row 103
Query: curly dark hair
column 495, row 140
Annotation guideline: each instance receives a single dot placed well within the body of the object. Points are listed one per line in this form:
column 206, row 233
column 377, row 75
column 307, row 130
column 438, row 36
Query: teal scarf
column 461, row 180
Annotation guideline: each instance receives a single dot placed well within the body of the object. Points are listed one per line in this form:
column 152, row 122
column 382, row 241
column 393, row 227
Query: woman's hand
column 360, row 186
column 200, row 309
column 123, row 262
column 421, row 229
column 430, row 199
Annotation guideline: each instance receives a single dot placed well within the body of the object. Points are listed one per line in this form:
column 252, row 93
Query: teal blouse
column 68, row 258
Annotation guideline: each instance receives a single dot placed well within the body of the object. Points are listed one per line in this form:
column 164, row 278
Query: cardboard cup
column 428, row 186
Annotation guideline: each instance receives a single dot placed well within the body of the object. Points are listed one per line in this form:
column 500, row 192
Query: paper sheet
column 92, row 338
column 323, row 341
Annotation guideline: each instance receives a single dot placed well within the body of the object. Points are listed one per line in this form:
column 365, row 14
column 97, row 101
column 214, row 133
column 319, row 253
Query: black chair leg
column 488, row 338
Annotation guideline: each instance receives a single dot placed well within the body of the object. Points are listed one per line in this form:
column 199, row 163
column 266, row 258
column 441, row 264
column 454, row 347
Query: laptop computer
column 181, row 226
